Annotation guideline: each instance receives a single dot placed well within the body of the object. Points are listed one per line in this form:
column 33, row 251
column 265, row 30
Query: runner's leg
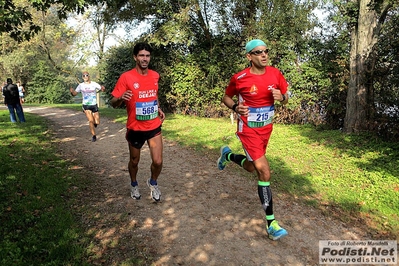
column 156, row 150
column 134, row 158
column 89, row 115
column 265, row 194
column 96, row 117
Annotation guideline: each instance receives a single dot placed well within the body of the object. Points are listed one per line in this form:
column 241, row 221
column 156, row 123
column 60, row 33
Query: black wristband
column 283, row 98
column 234, row 107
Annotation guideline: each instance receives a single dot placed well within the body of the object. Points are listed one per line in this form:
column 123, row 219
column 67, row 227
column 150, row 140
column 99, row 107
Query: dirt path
column 206, row 216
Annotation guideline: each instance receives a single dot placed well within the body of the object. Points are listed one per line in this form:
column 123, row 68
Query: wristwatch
column 234, row 107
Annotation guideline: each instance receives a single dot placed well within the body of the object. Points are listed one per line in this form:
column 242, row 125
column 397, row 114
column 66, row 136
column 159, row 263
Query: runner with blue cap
column 256, row 88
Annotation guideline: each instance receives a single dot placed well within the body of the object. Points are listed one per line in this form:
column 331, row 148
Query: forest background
column 343, row 67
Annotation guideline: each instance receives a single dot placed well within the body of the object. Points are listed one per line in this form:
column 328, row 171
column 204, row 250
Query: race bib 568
column 146, row 110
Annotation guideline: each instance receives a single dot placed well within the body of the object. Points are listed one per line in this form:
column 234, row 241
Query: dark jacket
column 11, row 94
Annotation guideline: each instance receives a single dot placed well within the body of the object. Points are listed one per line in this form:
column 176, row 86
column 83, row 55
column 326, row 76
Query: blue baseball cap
column 254, row 43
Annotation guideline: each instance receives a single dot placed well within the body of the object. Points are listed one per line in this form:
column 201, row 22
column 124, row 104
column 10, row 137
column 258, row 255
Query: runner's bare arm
column 73, row 92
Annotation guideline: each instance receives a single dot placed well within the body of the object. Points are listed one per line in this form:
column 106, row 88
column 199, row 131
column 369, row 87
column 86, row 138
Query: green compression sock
column 237, row 158
column 265, row 196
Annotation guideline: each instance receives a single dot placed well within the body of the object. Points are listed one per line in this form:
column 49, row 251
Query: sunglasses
column 259, row 52
column 85, row 75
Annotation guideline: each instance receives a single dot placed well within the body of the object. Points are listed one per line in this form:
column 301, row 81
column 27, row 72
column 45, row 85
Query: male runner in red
column 138, row 88
column 257, row 88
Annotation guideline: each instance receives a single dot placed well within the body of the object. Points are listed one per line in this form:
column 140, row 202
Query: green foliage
column 183, row 95
column 15, row 60
column 349, row 12
column 318, row 84
column 198, row 45
column 196, row 74
column 17, row 17
column 201, row 70
column 387, row 78
column 379, row 83
column 116, row 61
column 195, row 89
column 52, row 47
column 47, row 87
column 12, row 17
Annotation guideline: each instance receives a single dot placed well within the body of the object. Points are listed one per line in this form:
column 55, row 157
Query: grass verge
column 38, row 226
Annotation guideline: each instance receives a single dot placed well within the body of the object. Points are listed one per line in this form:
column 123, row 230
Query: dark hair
column 9, row 80
column 141, row 46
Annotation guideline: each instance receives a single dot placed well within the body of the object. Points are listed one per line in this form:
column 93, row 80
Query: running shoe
column 94, row 138
column 222, row 159
column 155, row 192
column 95, row 125
column 275, row 231
column 135, row 193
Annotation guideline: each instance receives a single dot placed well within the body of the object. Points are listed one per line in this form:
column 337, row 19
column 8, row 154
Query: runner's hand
column 161, row 114
column 127, row 95
column 277, row 95
column 242, row 109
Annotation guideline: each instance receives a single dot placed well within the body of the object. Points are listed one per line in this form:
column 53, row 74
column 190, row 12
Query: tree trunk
column 358, row 103
column 364, row 36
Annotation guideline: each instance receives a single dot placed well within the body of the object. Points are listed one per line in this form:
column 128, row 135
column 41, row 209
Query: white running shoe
column 155, row 192
column 135, row 193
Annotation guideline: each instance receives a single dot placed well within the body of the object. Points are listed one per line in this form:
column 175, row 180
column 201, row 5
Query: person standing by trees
column 257, row 88
column 21, row 91
column 138, row 89
column 89, row 91
column 11, row 99
column 2, row 87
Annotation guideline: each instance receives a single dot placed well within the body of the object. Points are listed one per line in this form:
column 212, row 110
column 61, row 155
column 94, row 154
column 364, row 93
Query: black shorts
column 92, row 108
column 138, row 138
